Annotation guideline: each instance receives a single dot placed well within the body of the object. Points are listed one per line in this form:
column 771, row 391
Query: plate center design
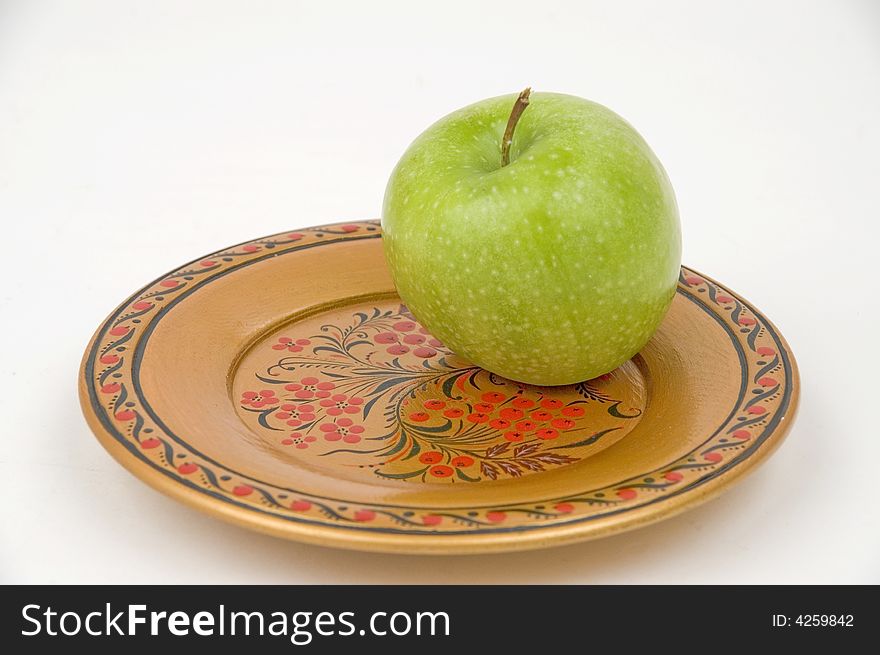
column 366, row 387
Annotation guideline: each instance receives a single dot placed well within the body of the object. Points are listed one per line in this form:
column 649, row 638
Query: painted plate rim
column 354, row 533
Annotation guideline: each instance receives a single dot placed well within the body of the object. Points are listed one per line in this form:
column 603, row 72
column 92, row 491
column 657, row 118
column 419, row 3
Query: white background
column 135, row 136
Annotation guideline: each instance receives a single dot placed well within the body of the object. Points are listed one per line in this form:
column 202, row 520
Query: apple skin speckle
column 554, row 285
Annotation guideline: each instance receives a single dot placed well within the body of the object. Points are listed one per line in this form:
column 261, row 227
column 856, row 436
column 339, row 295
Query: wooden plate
column 281, row 385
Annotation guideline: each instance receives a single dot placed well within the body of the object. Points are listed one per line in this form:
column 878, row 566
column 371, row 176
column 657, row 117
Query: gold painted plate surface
column 281, row 385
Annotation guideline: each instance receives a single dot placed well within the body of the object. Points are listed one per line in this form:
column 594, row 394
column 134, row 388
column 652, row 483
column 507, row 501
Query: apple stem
column 519, row 107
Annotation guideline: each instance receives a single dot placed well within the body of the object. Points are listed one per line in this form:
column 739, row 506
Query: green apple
column 540, row 242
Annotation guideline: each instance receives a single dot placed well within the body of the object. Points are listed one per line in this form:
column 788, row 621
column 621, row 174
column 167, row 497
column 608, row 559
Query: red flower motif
column 573, row 412
column 514, row 435
column 453, row 412
column 397, row 349
column 424, row 353
column 562, row 423
column 259, row 399
column 434, row 404
column 296, row 415
column 551, row 403
column 299, row 440
column 414, row 339
column 500, row 423
column 547, row 433
column 477, row 417
column 523, row 403
column 462, row 461
column 341, row 404
column 526, row 426
column 286, row 343
column 310, row 387
column 404, row 326
column 484, row 408
column 419, row 417
column 492, row 397
column 343, row 428
column 541, row 415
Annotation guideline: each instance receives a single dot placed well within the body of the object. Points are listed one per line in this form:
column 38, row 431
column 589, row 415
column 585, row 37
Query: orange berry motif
column 431, row 457
column 441, row 471
column 511, row 413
